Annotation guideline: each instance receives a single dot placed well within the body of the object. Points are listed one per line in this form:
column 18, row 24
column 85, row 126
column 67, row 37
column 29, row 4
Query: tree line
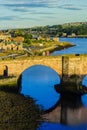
column 55, row 30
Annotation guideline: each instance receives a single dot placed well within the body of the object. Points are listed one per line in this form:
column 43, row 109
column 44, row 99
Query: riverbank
column 64, row 45
column 76, row 36
column 36, row 50
column 16, row 110
column 54, row 46
column 9, row 84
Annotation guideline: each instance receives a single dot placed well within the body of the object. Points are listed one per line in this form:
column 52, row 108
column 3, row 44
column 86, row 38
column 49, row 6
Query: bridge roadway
column 65, row 66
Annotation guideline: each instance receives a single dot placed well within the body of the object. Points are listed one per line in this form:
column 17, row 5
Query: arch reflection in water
column 69, row 110
column 38, row 82
column 84, row 97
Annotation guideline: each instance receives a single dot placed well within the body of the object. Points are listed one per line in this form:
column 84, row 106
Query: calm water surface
column 39, row 81
column 80, row 48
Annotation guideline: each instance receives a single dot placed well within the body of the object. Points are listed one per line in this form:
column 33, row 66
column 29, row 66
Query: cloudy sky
column 29, row 13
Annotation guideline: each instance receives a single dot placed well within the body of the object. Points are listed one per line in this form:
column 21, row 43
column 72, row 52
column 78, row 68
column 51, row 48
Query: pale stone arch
column 41, row 65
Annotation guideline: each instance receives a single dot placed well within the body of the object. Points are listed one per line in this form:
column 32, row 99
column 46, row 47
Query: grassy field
column 9, row 84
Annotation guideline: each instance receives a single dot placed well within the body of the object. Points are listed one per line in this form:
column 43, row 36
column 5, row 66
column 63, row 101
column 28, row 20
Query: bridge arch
column 17, row 66
column 76, row 65
column 43, row 68
column 38, row 82
column 45, row 65
column 19, row 77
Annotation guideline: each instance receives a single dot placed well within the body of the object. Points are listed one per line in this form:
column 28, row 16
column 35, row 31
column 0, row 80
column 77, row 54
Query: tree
column 18, row 32
column 28, row 41
column 28, row 36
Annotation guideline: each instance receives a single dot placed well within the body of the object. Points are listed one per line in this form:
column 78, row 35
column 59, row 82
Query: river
column 80, row 48
column 38, row 82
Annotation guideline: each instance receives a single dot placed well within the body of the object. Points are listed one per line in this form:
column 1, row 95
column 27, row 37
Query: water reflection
column 68, row 110
column 38, row 82
column 62, row 111
column 68, row 113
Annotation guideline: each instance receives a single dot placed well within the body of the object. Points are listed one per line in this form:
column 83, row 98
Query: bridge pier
column 70, row 83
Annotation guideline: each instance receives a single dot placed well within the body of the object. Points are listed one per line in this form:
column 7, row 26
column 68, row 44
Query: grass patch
column 9, row 85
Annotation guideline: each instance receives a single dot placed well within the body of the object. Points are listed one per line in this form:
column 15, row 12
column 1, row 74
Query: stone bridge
column 65, row 66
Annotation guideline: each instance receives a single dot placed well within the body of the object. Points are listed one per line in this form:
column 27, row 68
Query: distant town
column 38, row 40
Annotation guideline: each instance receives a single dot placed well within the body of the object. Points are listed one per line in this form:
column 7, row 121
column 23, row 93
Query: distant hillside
column 74, row 24
column 76, row 29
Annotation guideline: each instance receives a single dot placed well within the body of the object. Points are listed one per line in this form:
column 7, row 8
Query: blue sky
column 29, row 13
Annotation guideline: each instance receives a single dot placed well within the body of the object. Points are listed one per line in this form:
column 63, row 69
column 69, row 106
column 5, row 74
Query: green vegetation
column 9, row 85
column 52, row 46
column 78, row 28
column 18, row 112
column 10, row 52
column 27, row 38
column 34, row 41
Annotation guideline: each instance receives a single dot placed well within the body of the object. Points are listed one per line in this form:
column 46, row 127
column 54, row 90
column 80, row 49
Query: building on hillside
column 72, row 35
column 40, row 38
column 35, row 37
column 64, row 34
column 8, row 39
column 47, row 38
column 56, row 39
column 18, row 39
column 4, row 36
column 10, row 47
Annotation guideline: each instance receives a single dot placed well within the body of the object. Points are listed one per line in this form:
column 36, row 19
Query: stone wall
column 78, row 65
column 16, row 66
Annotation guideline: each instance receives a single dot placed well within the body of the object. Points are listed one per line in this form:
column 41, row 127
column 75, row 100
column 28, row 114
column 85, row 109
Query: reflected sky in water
column 38, row 82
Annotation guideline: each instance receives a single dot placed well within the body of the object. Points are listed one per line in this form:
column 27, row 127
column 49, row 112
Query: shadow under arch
column 5, row 71
column 70, row 100
column 40, row 79
column 68, row 104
